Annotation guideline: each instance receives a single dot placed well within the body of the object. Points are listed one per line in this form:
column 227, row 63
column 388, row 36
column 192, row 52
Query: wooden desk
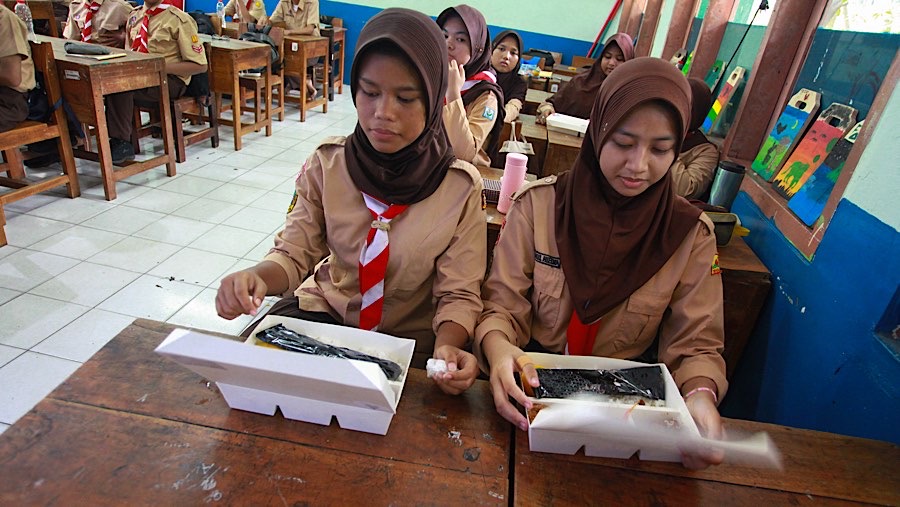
column 535, row 134
column 533, row 99
column 227, row 58
column 40, row 10
column 298, row 49
column 336, row 36
column 562, row 151
column 135, row 428
column 566, row 70
column 233, row 29
column 494, row 217
column 85, row 82
column 819, row 469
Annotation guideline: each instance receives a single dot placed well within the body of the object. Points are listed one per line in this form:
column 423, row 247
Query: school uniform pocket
column 640, row 321
column 548, row 286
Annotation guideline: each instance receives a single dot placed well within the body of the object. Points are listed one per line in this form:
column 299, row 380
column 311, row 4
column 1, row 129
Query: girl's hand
column 455, row 80
column 543, row 112
column 505, row 363
column 702, row 407
column 462, row 369
column 240, row 293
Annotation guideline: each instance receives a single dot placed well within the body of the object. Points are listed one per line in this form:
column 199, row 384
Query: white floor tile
column 78, row 242
column 25, row 269
column 273, row 201
column 191, row 185
column 258, row 179
column 194, row 266
column 151, row 297
column 9, row 294
column 242, row 161
column 159, row 200
column 259, row 220
column 259, row 149
column 3, row 428
column 85, row 336
column 217, row 171
column 226, row 240
column 175, row 230
column 123, row 219
column 236, row 194
column 135, row 254
column 26, row 230
column 8, row 353
column 31, row 202
column 151, row 178
column 279, row 168
column 8, row 250
column 201, row 314
column 261, row 249
column 208, row 210
column 85, row 284
column 21, row 388
column 28, row 319
column 124, row 192
column 73, row 211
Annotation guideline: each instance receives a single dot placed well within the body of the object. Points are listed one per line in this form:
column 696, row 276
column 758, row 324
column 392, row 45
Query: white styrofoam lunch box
column 567, row 124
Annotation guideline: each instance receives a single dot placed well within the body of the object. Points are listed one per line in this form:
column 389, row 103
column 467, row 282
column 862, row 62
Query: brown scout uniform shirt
column 438, row 249
column 525, row 296
column 307, row 14
column 172, row 35
column 468, row 127
column 106, row 23
column 257, row 9
column 512, row 108
column 15, row 42
column 694, row 169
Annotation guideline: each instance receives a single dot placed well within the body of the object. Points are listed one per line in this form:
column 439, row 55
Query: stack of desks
column 130, row 427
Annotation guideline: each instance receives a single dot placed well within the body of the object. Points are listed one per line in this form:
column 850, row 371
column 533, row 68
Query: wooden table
column 562, row 151
column 298, row 49
column 40, row 10
column 228, row 57
column 233, row 29
column 336, row 36
column 527, row 129
column 819, row 469
column 131, row 427
column 533, row 99
column 85, row 82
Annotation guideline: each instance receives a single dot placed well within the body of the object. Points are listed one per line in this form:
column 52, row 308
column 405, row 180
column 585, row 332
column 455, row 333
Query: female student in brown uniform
column 695, row 166
column 398, row 168
column 506, row 62
column 605, row 257
column 298, row 17
column 577, row 96
column 473, row 113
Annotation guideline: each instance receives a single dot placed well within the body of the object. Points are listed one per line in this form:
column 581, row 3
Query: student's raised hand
column 239, row 293
column 455, row 80
column 703, row 409
column 462, row 369
column 505, row 364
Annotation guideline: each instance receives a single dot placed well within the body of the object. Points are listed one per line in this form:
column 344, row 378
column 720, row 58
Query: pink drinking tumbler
column 512, row 180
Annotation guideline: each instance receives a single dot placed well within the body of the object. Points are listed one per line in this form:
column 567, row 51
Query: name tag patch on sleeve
column 547, row 260
column 489, row 113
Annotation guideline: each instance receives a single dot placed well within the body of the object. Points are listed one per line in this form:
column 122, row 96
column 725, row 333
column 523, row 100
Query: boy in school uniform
column 298, row 17
column 98, row 21
column 256, row 10
column 16, row 70
column 158, row 29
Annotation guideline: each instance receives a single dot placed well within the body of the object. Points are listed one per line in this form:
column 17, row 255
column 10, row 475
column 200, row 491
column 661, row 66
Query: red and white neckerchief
column 140, row 44
column 580, row 337
column 86, row 31
column 373, row 261
column 481, row 76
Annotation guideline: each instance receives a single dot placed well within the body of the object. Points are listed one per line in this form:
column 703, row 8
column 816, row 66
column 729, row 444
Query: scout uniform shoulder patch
column 716, row 270
column 194, row 39
column 489, row 113
column 293, row 202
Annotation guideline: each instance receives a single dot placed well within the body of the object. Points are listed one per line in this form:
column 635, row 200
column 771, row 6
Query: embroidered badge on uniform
column 293, row 202
column 489, row 113
column 194, row 39
column 197, row 48
column 716, row 270
column 258, row 4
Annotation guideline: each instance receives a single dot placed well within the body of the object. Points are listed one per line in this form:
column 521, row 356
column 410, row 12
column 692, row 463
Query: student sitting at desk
column 98, row 21
column 605, row 258
column 695, row 166
column 167, row 31
column 506, row 62
column 256, row 11
column 16, row 70
column 473, row 113
column 386, row 231
column 577, row 96
column 298, row 17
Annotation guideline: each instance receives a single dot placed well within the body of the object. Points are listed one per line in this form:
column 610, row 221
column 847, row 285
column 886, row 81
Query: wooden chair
column 195, row 105
column 336, row 42
column 255, row 86
column 32, row 132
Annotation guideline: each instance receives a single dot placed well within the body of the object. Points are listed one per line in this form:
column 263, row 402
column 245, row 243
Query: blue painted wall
column 814, row 361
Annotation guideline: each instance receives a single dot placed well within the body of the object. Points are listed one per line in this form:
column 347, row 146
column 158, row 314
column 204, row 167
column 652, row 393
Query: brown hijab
column 701, row 101
column 577, row 97
column 416, row 171
column 610, row 245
